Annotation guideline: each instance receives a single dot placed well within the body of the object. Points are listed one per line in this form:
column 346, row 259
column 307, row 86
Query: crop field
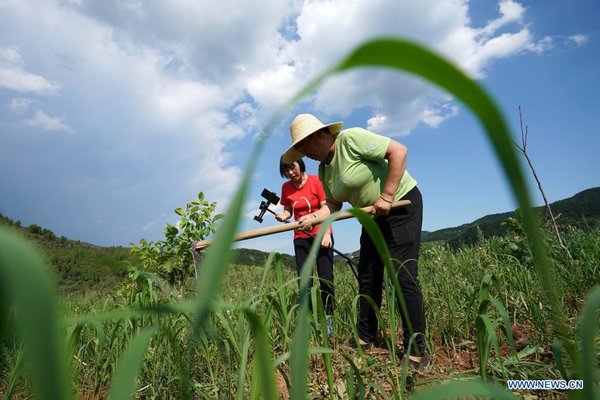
column 102, row 328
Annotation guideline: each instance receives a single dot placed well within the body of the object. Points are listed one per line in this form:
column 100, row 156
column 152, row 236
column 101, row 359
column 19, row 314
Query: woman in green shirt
column 366, row 169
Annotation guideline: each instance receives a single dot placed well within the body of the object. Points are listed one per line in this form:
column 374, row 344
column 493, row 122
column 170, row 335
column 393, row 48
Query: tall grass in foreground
column 99, row 331
column 197, row 346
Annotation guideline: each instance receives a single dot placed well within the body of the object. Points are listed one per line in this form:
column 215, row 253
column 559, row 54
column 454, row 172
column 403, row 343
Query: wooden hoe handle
column 269, row 230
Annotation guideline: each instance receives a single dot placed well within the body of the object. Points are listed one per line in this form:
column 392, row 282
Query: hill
column 258, row 258
column 79, row 266
column 582, row 209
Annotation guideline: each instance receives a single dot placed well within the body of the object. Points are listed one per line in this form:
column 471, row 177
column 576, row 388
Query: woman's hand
column 326, row 242
column 281, row 216
column 306, row 222
column 382, row 206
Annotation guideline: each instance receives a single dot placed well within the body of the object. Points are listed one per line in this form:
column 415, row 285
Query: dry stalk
column 523, row 149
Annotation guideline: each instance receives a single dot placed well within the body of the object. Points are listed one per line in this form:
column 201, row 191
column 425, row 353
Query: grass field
column 223, row 363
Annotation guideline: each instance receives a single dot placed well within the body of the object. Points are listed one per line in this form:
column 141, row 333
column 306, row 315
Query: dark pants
column 324, row 268
column 402, row 232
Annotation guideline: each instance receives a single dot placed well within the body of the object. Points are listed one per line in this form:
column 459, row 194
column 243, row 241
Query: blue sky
column 114, row 113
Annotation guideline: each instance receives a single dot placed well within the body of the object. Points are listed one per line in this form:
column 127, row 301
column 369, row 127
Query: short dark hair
column 284, row 166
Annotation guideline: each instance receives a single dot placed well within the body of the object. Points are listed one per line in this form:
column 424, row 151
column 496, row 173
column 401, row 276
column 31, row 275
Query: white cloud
column 435, row 115
column 510, row 12
column 504, row 45
column 14, row 77
column 20, row 105
column 45, row 122
column 177, row 62
column 10, row 56
column 541, row 46
column 578, row 39
column 213, row 39
column 398, row 102
column 149, row 225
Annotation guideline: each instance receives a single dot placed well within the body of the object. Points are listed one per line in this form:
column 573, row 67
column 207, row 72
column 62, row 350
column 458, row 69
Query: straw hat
column 302, row 127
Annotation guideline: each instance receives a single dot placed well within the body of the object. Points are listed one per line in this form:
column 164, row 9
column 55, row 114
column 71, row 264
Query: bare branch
column 523, row 149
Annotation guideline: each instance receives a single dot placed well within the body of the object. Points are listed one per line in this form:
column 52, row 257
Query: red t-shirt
column 303, row 201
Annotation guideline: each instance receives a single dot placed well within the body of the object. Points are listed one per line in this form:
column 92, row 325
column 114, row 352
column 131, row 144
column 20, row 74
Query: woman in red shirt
column 301, row 195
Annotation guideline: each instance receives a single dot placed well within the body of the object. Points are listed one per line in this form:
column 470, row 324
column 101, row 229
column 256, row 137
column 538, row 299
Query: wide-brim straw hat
column 302, row 127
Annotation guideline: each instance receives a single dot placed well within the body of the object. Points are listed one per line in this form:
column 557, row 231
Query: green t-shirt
column 358, row 170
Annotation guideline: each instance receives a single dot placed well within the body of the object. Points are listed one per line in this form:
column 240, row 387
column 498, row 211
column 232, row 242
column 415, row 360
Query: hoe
column 198, row 246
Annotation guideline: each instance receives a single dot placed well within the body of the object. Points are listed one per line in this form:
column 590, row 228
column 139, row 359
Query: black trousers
column 324, row 269
column 402, row 232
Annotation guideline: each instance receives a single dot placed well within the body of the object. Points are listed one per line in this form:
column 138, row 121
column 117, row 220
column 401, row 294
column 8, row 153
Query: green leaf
column 15, row 375
column 124, row 380
column 266, row 381
column 589, row 332
column 25, row 283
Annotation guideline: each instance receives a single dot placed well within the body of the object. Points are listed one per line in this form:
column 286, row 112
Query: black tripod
column 272, row 198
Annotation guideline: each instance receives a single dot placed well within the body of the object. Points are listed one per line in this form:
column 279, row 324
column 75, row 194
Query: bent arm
column 396, row 156
column 328, row 207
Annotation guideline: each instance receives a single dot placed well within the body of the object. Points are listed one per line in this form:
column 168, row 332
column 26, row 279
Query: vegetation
column 252, row 337
column 172, row 258
column 582, row 210
column 76, row 266
column 451, row 284
column 80, row 267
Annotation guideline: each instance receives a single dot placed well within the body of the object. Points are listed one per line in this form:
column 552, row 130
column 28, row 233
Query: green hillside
column 583, row 209
column 258, row 258
column 79, row 266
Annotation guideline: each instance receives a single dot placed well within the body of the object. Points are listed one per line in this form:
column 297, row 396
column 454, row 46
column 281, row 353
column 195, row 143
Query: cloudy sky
column 114, row 113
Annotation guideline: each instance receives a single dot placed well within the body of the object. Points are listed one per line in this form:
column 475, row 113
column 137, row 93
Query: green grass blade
column 15, row 375
column 299, row 348
column 558, row 359
column 216, row 261
column 124, row 380
column 486, row 337
column 461, row 389
column 589, row 331
column 484, row 293
column 410, row 57
column 266, row 381
column 354, row 376
column 243, row 365
column 25, row 282
column 505, row 322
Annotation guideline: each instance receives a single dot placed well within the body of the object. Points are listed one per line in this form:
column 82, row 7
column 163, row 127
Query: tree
column 172, row 258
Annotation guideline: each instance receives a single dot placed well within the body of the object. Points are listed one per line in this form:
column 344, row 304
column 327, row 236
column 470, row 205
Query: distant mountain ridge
column 580, row 209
